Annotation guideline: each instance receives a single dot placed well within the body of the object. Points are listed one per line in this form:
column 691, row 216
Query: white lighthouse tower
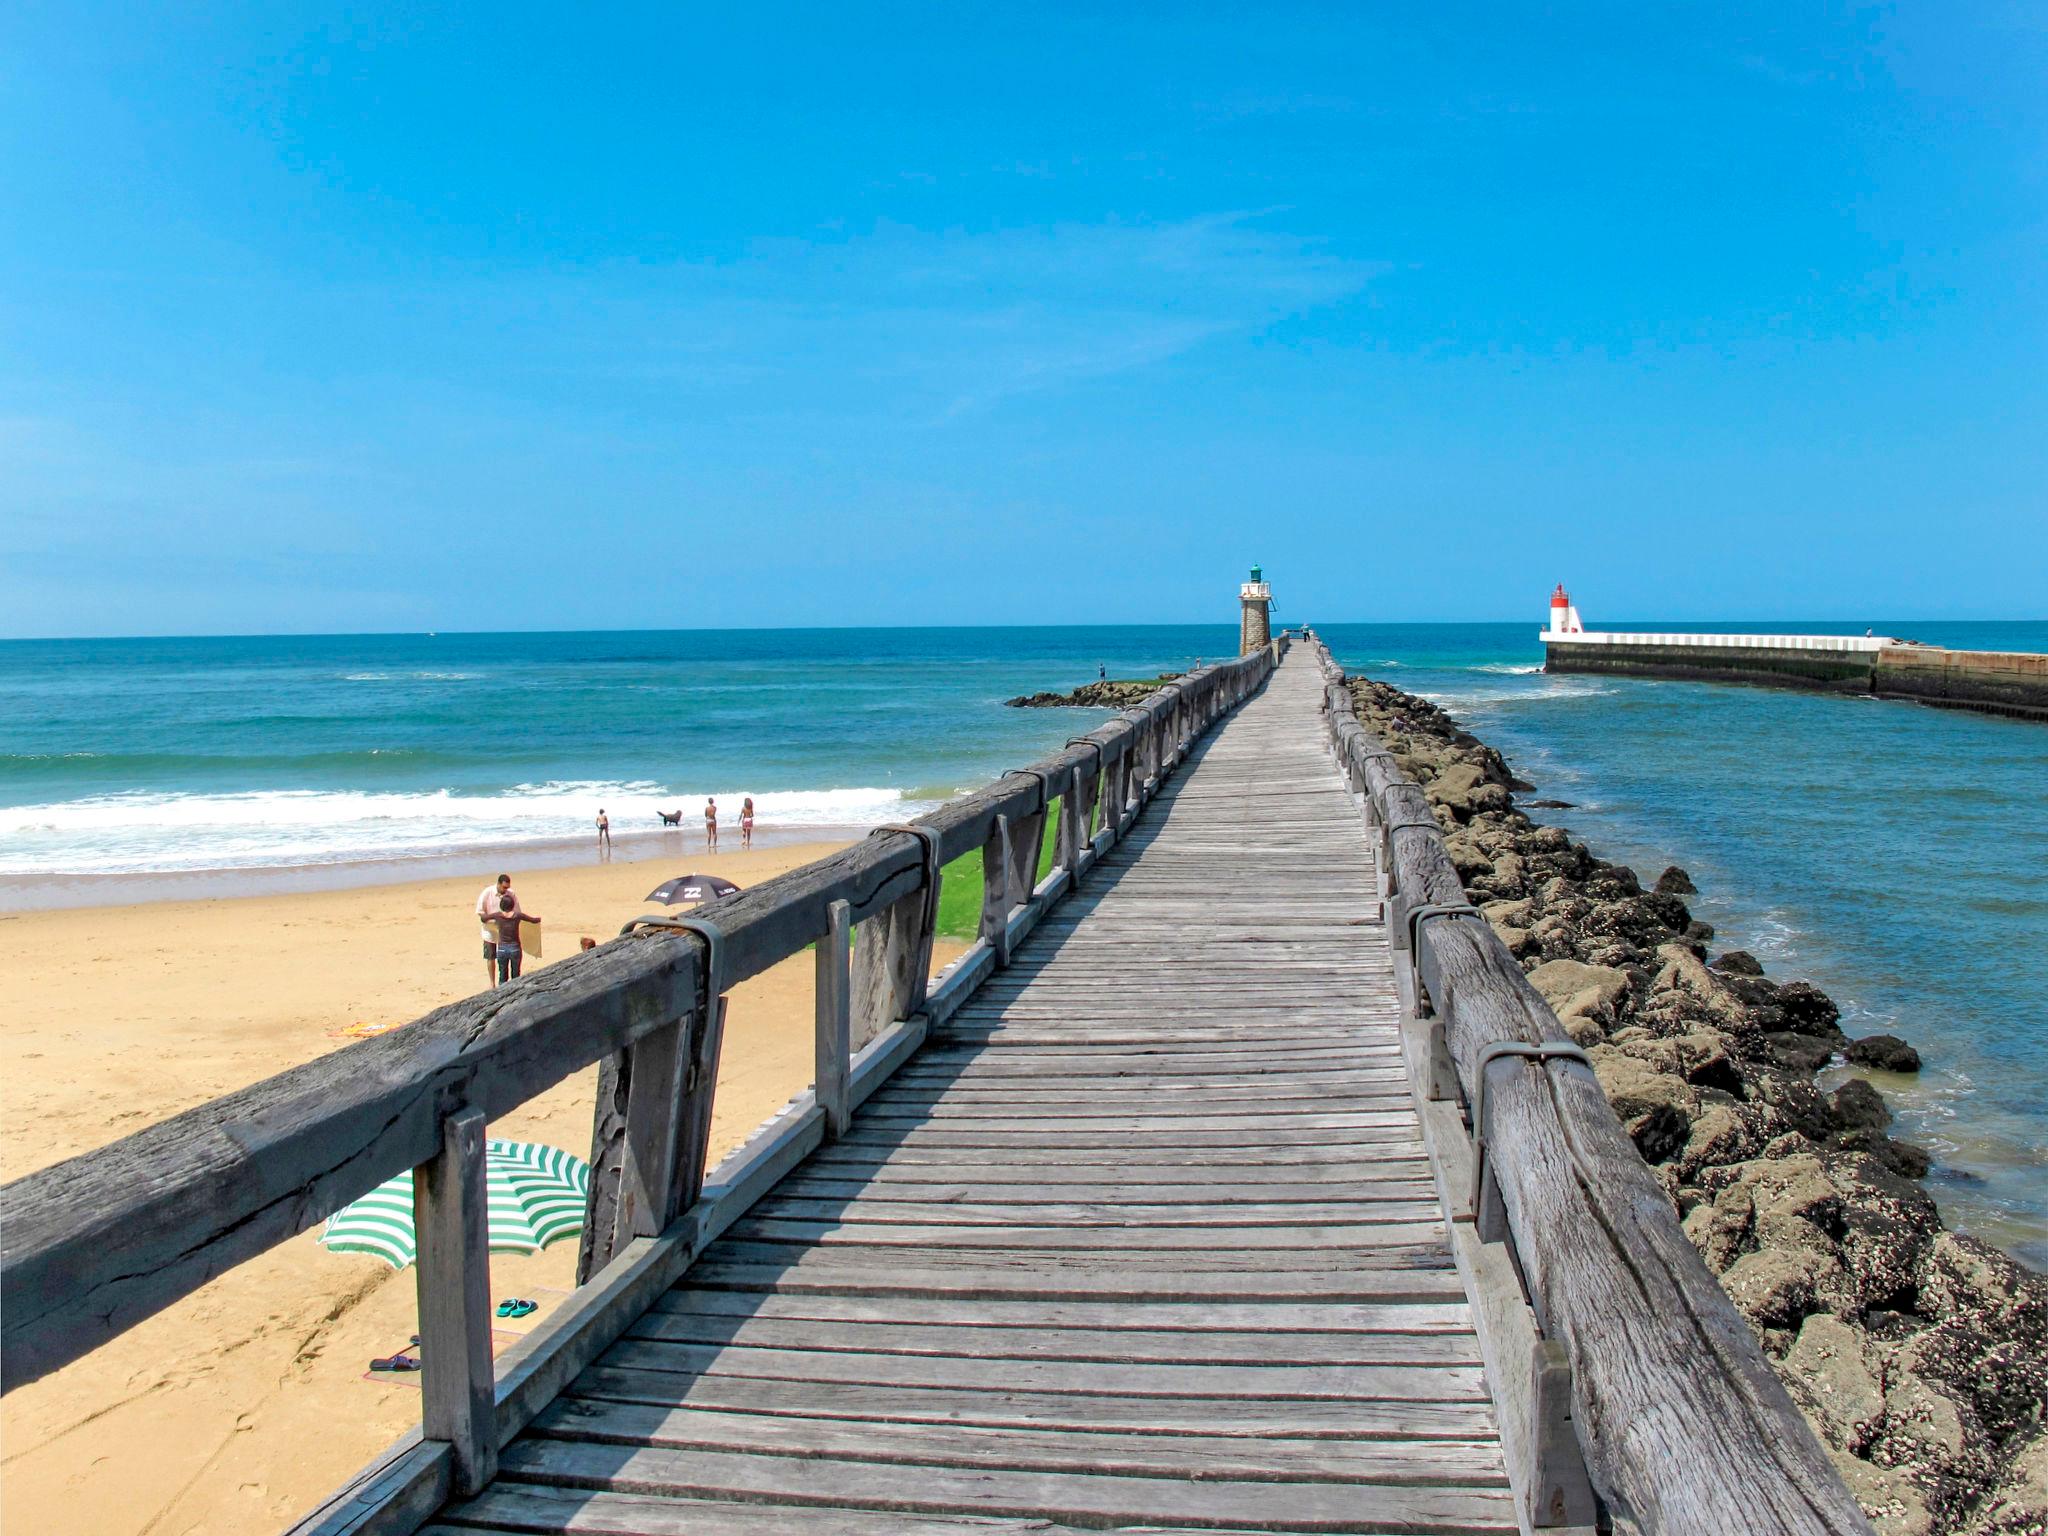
column 1564, row 617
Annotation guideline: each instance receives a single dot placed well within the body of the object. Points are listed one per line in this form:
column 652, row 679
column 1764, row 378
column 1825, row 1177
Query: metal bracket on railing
column 1093, row 745
column 1418, row 915
column 1044, row 787
column 930, row 840
column 1548, row 1050
column 1402, row 826
column 705, row 929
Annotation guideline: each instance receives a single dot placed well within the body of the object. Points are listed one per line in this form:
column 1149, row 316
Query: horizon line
column 777, row 629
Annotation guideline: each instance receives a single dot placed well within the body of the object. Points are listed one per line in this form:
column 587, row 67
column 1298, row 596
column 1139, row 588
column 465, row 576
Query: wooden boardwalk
column 1146, row 1237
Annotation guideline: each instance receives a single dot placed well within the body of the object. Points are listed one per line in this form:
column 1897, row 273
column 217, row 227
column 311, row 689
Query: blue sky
column 668, row 315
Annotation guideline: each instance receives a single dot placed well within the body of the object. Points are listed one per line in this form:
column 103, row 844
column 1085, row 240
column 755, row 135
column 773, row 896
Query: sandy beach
column 236, row 1409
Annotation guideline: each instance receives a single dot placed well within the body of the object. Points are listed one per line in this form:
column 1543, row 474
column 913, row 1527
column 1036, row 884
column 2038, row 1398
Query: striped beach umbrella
column 535, row 1195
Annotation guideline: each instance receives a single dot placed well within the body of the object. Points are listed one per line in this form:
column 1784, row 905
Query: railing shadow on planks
column 1598, row 1321
column 96, row 1244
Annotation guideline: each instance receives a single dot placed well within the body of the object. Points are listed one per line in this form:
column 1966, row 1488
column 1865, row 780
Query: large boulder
column 1684, row 972
column 1829, row 1373
column 1676, row 882
column 1807, row 1009
column 1774, row 1287
column 1463, row 790
column 1886, row 1053
column 1576, row 990
column 1857, row 1106
column 1655, row 1108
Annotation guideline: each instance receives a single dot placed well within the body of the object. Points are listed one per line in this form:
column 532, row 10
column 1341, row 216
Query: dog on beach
column 670, row 818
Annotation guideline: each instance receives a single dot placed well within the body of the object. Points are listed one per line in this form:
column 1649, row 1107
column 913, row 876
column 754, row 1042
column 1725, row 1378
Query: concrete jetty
column 2013, row 683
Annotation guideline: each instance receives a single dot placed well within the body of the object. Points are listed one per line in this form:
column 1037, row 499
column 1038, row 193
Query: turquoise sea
column 1896, row 855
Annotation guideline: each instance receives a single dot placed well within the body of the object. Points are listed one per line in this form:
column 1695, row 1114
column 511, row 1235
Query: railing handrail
column 1682, row 1422
column 97, row 1243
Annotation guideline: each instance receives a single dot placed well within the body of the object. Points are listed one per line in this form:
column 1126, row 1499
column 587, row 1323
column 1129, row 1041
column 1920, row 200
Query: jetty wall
column 1995, row 682
column 1990, row 682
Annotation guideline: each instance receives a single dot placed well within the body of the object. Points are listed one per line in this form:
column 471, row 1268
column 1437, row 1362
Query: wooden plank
column 1209, row 1216
column 1322, row 1318
column 935, row 1275
column 535, row 1507
column 1003, row 1406
column 1101, row 1345
column 1460, row 1463
column 1102, row 1500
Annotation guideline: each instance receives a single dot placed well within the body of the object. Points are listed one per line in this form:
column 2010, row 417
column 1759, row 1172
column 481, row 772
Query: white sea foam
column 1550, row 690
column 423, row 677
column 1508, row 669
column 123, row 833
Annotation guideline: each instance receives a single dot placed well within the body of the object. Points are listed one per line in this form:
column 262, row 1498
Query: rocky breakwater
column 1112, row 693
column 1919, row 1355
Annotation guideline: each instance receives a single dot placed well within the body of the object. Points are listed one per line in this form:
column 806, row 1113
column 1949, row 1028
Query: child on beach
column 710, row 823
column 507, row 923
column 747, row 822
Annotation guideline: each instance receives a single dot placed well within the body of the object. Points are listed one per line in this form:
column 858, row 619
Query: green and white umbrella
column 535, row 1194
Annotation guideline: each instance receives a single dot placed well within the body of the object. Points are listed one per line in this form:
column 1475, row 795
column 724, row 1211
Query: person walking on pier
column 747, row 822
column 710, row 823
column 487, row 910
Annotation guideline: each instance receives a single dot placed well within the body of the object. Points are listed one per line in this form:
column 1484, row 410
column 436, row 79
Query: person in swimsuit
column 507, row 921
column 710, row 823
column 747, row 822
column 604, row 830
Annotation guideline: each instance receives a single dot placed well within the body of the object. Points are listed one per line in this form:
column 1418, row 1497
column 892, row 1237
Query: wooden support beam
column 995, row 890
column 657, row 1067
column 1067, row 850
column 1027, row 842
column 835, row 1018
column 451, row 1221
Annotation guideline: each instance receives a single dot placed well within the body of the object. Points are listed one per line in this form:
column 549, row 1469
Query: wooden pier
column 1161, row 1209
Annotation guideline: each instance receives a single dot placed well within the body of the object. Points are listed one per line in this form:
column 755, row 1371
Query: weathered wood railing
column 1604, row 1335
column 94, row 1245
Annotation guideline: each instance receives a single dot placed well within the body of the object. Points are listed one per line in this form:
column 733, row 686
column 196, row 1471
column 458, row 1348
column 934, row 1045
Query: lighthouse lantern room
column 1564, row 617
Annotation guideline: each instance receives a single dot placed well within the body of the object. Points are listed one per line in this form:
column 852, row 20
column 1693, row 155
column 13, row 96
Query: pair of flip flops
column 399, row 1362
column 517, row 1307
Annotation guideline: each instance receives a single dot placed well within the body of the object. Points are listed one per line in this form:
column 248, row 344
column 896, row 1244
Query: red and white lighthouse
column 1564, row 618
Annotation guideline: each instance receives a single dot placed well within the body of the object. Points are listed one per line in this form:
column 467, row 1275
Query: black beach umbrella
column 691, row 888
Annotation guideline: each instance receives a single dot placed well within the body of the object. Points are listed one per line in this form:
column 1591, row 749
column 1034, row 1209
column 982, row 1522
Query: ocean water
column 1896, row 855
column 121, row 756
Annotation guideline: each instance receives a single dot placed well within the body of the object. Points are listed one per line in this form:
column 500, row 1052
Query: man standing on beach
column 487, row 914
column 604, row 831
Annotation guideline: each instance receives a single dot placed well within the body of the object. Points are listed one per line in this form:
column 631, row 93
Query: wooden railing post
column 995, row 890
column 835, row 1018
column 451, row 1223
